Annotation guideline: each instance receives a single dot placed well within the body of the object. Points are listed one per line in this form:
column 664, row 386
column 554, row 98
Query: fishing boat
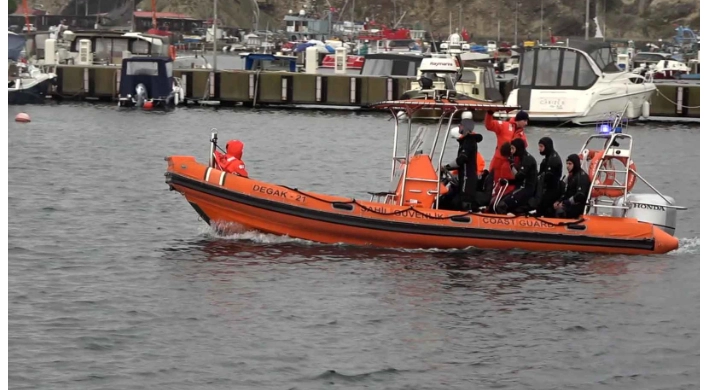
column 408, row 214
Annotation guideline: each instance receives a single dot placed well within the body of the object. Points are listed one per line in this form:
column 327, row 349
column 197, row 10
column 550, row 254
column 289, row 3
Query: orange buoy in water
column 22, row 118
column 148, row 105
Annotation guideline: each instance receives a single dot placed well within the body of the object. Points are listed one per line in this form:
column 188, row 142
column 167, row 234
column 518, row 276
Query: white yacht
column 579, row 83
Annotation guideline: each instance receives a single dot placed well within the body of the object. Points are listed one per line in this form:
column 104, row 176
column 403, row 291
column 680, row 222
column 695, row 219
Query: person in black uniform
column 548, row 187
column 572, row 203
column 466, row 164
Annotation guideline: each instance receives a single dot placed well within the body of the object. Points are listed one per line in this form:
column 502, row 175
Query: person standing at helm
column 549, row 177
column 506, row 131
column 231, row 162
column 466, row 161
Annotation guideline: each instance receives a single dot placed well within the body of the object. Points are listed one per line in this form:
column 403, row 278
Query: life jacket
column 231, row 162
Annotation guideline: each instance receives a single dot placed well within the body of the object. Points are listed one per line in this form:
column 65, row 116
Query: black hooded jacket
column 578, row 183
column 550, row 166
column 466, row 160
column 526, row 168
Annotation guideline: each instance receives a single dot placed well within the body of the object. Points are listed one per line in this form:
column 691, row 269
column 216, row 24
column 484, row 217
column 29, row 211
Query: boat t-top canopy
column 411, row 105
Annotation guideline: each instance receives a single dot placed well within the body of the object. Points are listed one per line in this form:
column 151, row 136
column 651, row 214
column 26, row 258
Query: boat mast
column 133, row 15
column 214, row 38
column 586, row 23
column 542, row 19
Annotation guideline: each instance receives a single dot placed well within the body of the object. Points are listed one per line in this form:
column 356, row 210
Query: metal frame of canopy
column 409, row 107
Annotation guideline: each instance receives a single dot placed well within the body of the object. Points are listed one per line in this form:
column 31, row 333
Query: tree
column 12, row 6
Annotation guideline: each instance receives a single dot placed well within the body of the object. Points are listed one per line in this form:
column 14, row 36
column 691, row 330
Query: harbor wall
column 239, row 87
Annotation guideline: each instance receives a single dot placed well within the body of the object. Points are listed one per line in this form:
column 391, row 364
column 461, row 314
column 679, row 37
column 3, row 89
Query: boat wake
column 686, row 245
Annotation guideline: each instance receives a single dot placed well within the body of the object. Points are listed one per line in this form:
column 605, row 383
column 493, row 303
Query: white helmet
column 454, row 132
column 467, row 115
column 402, row 115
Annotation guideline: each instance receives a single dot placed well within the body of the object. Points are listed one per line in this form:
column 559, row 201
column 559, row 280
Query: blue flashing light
column 604, row 129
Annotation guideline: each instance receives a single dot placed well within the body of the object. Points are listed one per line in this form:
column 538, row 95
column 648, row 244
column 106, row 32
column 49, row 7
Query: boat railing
column 611, row 132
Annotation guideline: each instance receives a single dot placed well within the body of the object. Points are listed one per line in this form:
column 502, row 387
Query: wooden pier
column 674, row 99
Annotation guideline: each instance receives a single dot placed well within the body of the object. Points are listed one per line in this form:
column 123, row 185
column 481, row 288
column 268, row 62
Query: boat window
column 548, row 68
column 604, row 60
column 140, row 47
column 169, row 69
column 141, row 68
column 569, row 65
column 527, row 66
column 586, row 76
column 489, row 81
column 401, row 68
column 377, row 67
column 468, row 76
column 103, row 48
column 119, row 46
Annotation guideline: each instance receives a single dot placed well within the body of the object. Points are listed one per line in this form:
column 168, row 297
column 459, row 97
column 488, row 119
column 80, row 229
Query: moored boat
column 408, row 215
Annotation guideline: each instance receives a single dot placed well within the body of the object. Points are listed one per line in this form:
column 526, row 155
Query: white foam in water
column 685, row 245
column 251, row 235
column 688, row 245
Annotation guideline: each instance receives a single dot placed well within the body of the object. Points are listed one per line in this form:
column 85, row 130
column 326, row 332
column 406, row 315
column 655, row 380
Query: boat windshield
column 555, row 68
column 448, row 78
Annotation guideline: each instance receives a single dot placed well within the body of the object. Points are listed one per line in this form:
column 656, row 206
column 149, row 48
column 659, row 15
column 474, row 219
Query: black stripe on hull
column 409, row 228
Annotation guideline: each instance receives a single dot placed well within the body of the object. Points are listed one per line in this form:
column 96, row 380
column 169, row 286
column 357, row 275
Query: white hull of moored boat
column 584, row 107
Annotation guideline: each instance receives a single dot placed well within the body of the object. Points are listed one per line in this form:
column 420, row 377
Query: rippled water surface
column 116, row 284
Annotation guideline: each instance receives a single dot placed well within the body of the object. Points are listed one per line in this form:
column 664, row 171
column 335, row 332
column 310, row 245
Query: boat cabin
column 649, row 58
column 394, row 64
column 300, row 26
column 268, row 62
column 565, row 67
column 155, row 73
column 108, row 46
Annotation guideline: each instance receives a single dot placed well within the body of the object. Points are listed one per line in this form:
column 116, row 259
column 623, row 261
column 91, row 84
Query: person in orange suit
column 231, row 161
column 505, row 131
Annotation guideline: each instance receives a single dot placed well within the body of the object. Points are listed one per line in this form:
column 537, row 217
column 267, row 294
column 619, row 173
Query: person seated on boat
column 504, row 171
column 574, row 199
column 505, row 131
column 466, row 163
column 525, row 180
column 548, row 187
column 231, row 161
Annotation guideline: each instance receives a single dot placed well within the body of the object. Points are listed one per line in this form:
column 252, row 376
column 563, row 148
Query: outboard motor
column 650, row 208
column 141, row 95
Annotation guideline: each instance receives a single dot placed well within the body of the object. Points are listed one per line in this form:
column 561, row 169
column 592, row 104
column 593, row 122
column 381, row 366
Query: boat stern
column 664, row 242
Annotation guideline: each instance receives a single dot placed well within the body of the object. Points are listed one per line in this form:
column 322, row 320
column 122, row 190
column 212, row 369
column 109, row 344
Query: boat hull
column 586, row 107
column 36, row 93
column 231, row 202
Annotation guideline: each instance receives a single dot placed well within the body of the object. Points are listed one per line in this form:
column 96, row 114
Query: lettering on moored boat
column 269, row 191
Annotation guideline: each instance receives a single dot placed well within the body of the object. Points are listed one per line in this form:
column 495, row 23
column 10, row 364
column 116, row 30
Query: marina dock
column 674, row 98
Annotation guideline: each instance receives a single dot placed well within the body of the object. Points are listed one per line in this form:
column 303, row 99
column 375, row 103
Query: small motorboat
column 148, row 82
column 408, row 214
column 446, row 75
column 27, row 84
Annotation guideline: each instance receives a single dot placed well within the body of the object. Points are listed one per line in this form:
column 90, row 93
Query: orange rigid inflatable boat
column 408, row 215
